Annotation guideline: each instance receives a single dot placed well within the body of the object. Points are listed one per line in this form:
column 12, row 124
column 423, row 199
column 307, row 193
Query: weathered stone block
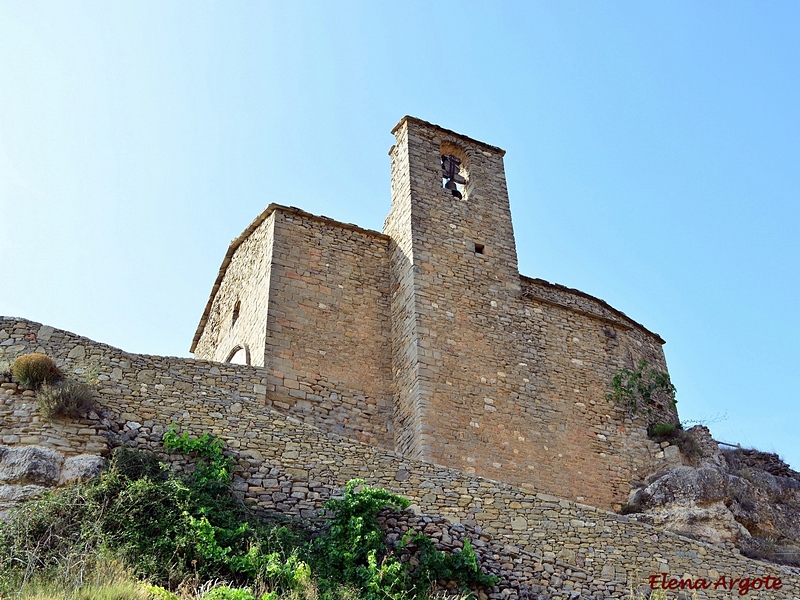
column 30, row 464
column 81, row 467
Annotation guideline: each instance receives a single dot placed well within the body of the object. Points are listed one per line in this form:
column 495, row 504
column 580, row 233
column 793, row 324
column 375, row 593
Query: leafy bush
column 65, row 398
column 135, row 464
column 164, row 525
column 32, row 370
column 214, row 467
column 352, row 553
column 435, row 565
column 228, row 593
column 156, row 592
column 171, row 527
column 641, row 389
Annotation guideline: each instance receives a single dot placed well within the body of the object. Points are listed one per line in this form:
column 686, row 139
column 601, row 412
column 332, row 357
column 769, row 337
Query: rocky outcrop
column 737, row 498
column 27, row 472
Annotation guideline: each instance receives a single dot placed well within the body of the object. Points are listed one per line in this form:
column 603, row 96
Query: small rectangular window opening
column 479, row 248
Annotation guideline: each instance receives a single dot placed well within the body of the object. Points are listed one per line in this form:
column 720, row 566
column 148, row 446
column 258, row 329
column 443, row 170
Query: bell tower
column 454, row 281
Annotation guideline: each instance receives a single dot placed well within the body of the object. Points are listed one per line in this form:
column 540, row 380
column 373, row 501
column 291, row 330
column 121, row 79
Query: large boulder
column 30, row 464
column 684, row 485
column 27, row 472
column 12, row 495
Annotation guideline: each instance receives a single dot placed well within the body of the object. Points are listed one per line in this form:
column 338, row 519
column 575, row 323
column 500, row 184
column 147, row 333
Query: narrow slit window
column 236, row 308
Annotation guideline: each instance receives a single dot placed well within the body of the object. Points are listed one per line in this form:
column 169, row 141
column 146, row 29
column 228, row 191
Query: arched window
column 240, row 355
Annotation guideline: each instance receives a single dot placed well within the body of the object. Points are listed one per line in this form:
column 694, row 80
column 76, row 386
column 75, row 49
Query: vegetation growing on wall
column 56, row 396
column 34, row 369
column 642, row 389
column 678, row 436
column 65, row 398
column 174, row 529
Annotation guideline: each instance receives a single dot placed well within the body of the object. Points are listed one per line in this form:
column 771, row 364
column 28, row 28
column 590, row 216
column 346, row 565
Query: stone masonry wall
column 410, row 390
column 247, row 268
column 548, row 547
column 142, row 394
column 568, row 355
column 313, row 309
column 327, row 348
column 499, row 375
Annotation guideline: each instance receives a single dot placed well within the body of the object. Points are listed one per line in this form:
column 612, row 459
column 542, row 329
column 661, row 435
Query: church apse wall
column 496, row 374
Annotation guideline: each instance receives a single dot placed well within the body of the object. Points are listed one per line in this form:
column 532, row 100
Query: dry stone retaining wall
column 548, row 547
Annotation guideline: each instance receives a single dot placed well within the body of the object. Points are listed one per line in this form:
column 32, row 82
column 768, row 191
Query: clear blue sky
column 652, row 158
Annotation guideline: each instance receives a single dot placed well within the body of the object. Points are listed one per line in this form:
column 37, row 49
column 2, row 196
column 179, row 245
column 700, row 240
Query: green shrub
column 351, row 553
column 32, row 370
column 213, row 466
column 164, row 525
column 65, row 398
column 228, row 593
column 173, row 527
column 156, row 592
column 135, row 464
column 435, row 565
column 641, row 389
column 352, row 550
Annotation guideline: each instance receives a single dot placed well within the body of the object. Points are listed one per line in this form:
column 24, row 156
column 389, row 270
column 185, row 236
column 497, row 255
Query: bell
column 451, row 185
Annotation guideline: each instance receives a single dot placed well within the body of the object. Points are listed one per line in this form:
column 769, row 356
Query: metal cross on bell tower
column 450, row 168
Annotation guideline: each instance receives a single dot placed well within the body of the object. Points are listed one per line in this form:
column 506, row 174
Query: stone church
column 425, row 339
